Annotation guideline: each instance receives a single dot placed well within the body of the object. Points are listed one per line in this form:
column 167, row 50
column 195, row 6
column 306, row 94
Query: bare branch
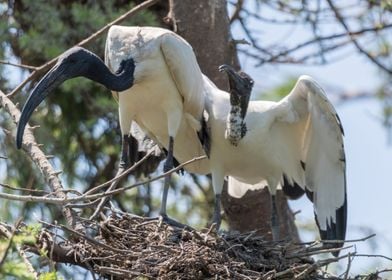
column 352, row 34
column 238, row 8
column 38, row 157
column 23, row 66
column 86, row 196
column 22, row 189
column 354, row 40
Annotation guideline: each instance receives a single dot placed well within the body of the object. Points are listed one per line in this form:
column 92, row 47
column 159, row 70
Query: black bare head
column 76, row 62
column 241, row 85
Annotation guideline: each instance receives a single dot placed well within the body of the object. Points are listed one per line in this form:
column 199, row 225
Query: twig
column 337, row 241
column 87, row 238
column 146, row 181
column 121, row 272
column 24, row 66
column 119, row 176
column 237, row 11
column 316, row 251
column 115, row 183
column 352, row 34
column 85, row 196
column 10, row 239
column 374, row 256
column 22, row 189
column 39, row 158
column 349, row 259
column 354, row 40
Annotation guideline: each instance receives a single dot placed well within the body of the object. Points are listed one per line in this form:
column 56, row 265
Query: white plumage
column 167, row 97
column 297, row 141
column 302, row 127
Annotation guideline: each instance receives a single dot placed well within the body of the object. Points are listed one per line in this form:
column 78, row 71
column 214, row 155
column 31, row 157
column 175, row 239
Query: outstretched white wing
column 322, row 153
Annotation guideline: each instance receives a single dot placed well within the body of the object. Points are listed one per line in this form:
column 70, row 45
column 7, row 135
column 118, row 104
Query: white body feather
column 167, row 97
column 301, row 127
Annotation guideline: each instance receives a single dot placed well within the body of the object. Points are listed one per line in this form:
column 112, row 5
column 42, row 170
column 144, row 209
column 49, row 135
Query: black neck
column 122, row 80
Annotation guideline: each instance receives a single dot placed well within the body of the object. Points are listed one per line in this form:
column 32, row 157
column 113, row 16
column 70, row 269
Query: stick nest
column 133, row 247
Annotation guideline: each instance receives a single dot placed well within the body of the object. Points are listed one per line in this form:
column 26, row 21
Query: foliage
column 13, row 267
column 79, row 123
column 279, row 91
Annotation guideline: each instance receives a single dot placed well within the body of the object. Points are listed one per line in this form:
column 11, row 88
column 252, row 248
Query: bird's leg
column 125, row 157
column 169, row 164
column 274, row 219
column 124, row 164
column 166, row 167
column 217, row 218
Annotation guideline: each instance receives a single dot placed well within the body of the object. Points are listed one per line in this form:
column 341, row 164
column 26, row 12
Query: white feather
column 167, row 98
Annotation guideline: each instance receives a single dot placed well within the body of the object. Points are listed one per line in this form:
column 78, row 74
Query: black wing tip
column 335, row 231
column 204, row 135
column 309, row 194
column 292, row 191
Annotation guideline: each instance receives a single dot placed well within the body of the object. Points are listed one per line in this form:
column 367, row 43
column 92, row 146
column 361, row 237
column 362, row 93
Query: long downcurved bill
column 55, row 77
column 234, row 78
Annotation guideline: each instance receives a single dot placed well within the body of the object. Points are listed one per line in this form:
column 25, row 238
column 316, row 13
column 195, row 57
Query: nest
column 132, row 247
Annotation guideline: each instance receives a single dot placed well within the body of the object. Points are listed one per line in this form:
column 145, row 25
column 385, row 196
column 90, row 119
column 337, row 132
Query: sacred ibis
column 296, row 143
column 158, row 85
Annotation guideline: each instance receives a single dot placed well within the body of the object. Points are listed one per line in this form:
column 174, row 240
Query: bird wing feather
column 322, row 152
column 186, row 73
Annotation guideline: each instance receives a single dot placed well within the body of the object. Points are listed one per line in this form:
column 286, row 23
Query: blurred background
column 344, row 45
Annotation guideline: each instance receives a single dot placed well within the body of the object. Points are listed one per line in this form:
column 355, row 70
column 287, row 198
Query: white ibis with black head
column 157, row 83
column 296, row 144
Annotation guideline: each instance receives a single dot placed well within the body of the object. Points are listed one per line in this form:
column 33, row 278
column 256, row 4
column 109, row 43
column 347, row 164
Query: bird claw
column 163, row 218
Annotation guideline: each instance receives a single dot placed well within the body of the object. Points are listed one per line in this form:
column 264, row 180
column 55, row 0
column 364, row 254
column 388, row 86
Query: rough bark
column 253, row 212
column 205, row 25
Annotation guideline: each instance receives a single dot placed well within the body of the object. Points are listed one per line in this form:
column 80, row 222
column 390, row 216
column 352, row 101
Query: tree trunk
column 205, row 25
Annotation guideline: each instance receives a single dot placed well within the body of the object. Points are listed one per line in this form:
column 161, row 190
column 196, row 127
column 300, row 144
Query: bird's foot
column 215, row 222
column 171, row 222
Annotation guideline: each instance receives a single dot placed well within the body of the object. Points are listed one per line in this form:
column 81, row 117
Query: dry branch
column 126, row 246
column 342, row 21
column 30, row 146
column 87, row 196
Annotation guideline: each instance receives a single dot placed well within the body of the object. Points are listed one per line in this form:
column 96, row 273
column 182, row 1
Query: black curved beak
column 234, row 78
column 55, row 77
column 73, row 63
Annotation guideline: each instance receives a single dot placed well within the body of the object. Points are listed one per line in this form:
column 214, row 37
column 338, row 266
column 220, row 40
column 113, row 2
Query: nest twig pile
column 133, row 247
